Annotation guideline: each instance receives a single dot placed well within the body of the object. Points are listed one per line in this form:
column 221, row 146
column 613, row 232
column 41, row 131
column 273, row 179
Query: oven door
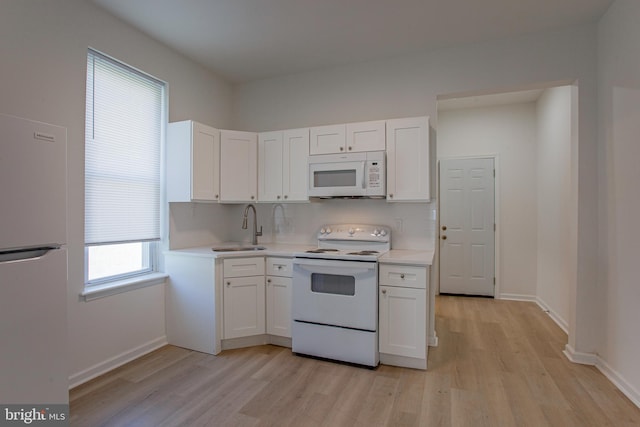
column 336, row 293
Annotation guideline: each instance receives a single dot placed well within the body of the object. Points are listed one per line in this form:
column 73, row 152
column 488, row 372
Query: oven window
column 339, row 178
column 333, row 284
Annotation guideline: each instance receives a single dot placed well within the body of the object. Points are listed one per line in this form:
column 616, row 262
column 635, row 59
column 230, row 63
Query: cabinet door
column 205, row 160
column 193, row 162
column 327, row 139
column 238, row 166
column 408, row 159
column 270, row 167
column 244, row 306
column 295, row 154
column 279, row 306
column 403, row 322
column 366, row 136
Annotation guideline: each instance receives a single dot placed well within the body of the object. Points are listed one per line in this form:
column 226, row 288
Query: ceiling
column 245, row 40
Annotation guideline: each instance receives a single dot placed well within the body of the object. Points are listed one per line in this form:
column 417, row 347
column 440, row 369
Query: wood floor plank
column 498, row 363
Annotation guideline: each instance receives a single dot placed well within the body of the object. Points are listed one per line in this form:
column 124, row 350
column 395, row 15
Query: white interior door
column 467, row 230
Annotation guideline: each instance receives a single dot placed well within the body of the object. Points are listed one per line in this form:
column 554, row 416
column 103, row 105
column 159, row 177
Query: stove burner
column 363, row 253
column 321, row 251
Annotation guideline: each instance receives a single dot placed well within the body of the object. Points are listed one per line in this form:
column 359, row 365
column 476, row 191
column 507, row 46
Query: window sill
column 113, row 288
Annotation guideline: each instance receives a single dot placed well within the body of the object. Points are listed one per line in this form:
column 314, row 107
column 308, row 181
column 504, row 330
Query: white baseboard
column 433, row 340
column 554, row 316
column 617, row 379
column 113, row 362
column 581, row 358
column 532, row 298
column 517, row 297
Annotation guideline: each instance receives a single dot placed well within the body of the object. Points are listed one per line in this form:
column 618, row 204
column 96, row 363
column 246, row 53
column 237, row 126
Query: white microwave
column 347, row 175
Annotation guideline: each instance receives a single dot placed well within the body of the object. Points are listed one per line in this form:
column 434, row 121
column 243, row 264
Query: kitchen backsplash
column 193, row 224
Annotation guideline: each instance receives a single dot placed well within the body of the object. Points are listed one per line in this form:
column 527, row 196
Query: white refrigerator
column 33, row 262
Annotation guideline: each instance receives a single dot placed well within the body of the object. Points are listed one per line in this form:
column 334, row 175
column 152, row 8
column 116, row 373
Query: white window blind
column 124, row 117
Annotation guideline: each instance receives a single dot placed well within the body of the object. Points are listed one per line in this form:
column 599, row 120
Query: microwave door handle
column 364, row 175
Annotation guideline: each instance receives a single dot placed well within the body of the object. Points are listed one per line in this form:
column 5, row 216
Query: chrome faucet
column 256, row 233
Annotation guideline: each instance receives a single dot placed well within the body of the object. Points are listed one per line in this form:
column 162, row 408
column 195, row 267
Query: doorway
column 467, row 226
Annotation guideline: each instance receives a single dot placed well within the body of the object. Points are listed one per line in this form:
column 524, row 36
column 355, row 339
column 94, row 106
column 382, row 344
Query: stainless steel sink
column 237, row 248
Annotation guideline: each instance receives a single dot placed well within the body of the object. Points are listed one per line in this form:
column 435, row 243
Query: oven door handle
column 335, row 264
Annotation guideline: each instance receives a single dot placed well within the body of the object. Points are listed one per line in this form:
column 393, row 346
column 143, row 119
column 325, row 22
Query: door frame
column 496, row 212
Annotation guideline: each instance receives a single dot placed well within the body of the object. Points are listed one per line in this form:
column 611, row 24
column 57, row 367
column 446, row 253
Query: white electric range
column 335, row 294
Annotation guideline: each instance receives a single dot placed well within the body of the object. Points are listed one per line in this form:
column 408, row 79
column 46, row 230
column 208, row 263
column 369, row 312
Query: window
column 125, row 113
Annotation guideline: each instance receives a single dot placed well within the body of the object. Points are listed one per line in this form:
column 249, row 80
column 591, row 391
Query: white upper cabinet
column 366, row 136
column 193, row 162
column 238, row 166
column 327, row 139
column 350, row 137
column 282, row 165
column 295, row 154
column 408, row 159
column 270, row 166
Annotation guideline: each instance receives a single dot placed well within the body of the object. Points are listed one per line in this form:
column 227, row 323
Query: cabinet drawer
column 406, row 276
column 279, row 267
column 238, row 267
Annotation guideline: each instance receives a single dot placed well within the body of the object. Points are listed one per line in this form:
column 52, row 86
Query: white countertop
column 408, row 256
column 394, row 256
column 271, row 249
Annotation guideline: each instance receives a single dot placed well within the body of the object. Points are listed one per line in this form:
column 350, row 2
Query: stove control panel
column 374, row 233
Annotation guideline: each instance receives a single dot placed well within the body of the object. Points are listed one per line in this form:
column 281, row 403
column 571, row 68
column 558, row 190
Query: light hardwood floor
column 498, row 363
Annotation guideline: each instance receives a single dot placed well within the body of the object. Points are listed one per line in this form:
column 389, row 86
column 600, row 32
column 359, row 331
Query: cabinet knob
column 216, row 196
column 341, row 148
column 384, row 291
column 391, row 196
column 402, row 276
column 286, row 197
column 252, row 197
column 349, row 148
column 278, row 197
column 228, row 284
column 268, row 280
column 444, row 228
column 444, row 237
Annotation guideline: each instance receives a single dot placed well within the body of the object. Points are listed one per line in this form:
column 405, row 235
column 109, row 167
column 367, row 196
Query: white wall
column 555, row 215
column 409, row 85
column 43, row 46
column 508, row 132
column 619, row 175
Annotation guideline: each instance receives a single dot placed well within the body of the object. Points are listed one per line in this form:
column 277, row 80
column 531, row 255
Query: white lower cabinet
column 192, row 303
column 403, row 315
column 279, row 296
column 244, row 306
column 279, row 306
column 243, row 297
